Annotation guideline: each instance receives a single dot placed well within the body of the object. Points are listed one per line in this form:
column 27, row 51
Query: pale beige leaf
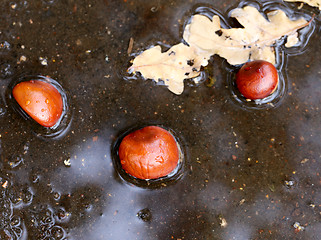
column 238, row 45
column 313, row 3
column 292, row 40
column 266, row 53
column 206, row 37
column 173, row 66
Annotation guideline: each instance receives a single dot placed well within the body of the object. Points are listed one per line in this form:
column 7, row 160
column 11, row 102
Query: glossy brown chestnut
column 257, row 79
column 40, row 100
column 149, row 153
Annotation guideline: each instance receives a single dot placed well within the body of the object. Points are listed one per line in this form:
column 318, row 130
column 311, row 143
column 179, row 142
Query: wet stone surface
column 248, row 173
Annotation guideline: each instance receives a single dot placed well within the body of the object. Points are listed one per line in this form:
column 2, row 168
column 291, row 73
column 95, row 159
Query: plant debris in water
column 313, row 3
column 206, row 37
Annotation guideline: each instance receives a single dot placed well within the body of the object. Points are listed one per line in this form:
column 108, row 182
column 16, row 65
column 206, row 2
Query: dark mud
column 250, row 173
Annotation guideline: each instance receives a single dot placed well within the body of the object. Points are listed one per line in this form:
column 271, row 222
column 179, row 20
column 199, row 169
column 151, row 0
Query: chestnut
column 149, row 153
column 40, row 100
column 257, row 79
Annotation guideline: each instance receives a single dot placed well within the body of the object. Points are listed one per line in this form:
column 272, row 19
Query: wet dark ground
column 248, row 174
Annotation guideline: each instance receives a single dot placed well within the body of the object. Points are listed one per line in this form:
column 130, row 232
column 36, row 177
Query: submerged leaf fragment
column 313, row 3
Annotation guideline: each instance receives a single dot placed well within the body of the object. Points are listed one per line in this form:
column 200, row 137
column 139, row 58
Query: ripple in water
column 281, row 53
column 61, row 127
column 270, row 101
column 171, row 178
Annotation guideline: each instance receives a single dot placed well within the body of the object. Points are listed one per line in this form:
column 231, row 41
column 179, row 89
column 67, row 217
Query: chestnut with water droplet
column 149, row 153
column 257, row 79
column 40, row 100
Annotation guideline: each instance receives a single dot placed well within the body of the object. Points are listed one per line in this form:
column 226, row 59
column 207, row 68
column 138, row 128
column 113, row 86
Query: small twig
column 130, row 46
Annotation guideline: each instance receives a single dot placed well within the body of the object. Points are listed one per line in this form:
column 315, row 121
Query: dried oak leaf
column 173, row 66
column 238, row 45
column 313, row 3
column 206, row 38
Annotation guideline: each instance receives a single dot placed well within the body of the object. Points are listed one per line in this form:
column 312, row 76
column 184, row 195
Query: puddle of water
column 237, row 162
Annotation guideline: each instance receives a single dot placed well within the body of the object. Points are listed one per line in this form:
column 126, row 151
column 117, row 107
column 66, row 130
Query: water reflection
column 90, row 162
column 238, row 160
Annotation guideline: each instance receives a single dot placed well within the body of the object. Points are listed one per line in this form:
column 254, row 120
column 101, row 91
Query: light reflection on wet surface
column 249, row 174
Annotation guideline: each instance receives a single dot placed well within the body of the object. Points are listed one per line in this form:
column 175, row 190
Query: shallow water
column 248, row 173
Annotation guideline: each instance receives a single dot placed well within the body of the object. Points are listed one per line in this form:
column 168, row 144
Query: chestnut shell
column 257, row 79
column 40, row 100
column 149, row 153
